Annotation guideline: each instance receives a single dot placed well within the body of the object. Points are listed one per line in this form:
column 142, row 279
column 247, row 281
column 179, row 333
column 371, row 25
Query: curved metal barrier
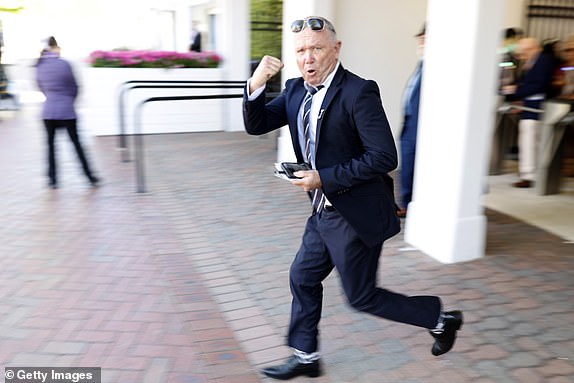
column 558, row 118
column 138, row 136
column 158, row 84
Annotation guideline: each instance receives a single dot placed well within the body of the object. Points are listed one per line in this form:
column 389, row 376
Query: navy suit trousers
column 330, row 242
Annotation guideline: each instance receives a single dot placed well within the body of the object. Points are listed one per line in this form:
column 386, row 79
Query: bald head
column 528, row 48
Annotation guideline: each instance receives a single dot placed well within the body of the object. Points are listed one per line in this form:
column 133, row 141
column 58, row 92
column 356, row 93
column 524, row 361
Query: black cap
column 422, row 32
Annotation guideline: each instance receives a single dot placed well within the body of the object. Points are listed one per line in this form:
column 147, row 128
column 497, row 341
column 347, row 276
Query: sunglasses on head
column 314, row 23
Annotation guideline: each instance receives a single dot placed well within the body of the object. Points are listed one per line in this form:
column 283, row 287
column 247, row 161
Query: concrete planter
column 99, row 102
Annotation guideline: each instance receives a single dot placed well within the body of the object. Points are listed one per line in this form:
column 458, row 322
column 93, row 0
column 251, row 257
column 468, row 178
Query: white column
column 234, row 27
column 293, row 10
column 446, row 218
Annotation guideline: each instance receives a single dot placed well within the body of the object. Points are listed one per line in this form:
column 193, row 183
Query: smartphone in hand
column 292, row 167
column 285, row 170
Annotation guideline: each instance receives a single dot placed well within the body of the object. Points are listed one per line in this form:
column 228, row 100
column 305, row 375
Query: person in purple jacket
column 56, row 80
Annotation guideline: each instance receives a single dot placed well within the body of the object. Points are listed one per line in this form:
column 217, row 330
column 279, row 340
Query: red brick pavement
column 188, row 282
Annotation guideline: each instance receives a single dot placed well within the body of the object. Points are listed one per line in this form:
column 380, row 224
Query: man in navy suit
column 411, row 100
column 350, row 148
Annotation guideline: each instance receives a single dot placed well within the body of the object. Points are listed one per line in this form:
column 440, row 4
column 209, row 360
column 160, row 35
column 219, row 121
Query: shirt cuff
column 256, row 93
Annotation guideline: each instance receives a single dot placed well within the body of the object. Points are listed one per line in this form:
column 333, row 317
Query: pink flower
column 154, row 59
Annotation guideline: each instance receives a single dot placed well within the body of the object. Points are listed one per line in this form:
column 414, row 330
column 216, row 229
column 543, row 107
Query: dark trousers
column 330, row 242
column 71, row 127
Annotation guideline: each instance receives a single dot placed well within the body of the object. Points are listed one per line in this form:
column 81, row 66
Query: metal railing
column 507, row 107
column 499, row 139
column 159, row 84
column 138, row 136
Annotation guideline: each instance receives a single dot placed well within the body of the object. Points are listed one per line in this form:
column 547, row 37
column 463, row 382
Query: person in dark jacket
column 411, row 101
column 195, row 45
column 533, row 84
column 57, row 82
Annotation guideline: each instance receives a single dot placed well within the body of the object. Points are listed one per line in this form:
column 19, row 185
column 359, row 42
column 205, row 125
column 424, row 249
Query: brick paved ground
column 188, row 282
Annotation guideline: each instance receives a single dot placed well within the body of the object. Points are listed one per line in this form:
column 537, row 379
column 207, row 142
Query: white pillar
column 293, row 10
column 446, row 218
column 235, row 29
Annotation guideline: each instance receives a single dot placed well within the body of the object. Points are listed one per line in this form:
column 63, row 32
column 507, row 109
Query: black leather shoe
column 94, row 181
column 445, row 340
column 293, row 368
column 523, row 184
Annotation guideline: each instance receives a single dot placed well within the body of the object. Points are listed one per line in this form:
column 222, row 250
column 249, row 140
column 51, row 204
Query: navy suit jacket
column 537, row 80
column 355, row 148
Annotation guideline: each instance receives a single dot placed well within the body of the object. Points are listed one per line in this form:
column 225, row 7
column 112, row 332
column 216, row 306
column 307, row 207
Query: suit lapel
column 333, row 89
column 294, row 104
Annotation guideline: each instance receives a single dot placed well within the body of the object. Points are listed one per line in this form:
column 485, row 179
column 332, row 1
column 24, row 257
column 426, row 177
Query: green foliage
column 10, row 10
column 266, row 28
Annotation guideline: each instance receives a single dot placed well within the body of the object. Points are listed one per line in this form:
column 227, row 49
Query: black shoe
column 94, row 181
column 523, row 184
column 293, row 368
column 52, row 184
column 445, row 340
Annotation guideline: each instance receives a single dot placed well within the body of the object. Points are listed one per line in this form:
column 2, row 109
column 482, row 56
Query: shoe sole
column 461, row 321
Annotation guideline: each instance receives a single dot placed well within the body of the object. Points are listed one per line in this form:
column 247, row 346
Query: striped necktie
column 318, row 196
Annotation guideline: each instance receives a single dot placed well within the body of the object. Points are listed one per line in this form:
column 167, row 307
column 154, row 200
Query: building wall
column 378, row 43
column 515, row 13
column 88, row 25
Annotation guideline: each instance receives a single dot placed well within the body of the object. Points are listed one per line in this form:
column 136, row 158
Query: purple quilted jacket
column 56, row 80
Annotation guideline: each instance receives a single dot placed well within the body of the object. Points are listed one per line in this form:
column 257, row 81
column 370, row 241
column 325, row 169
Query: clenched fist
column 267, row 68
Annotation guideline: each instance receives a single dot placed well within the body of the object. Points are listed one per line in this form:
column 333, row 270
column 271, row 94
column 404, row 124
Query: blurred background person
column 195, row 45
column 534, row 82
column 508, row 74
column 408, row 140
column 57, row 82
column 508, row 60
column 5, row 94
column 553, row 48
column 564, row 80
